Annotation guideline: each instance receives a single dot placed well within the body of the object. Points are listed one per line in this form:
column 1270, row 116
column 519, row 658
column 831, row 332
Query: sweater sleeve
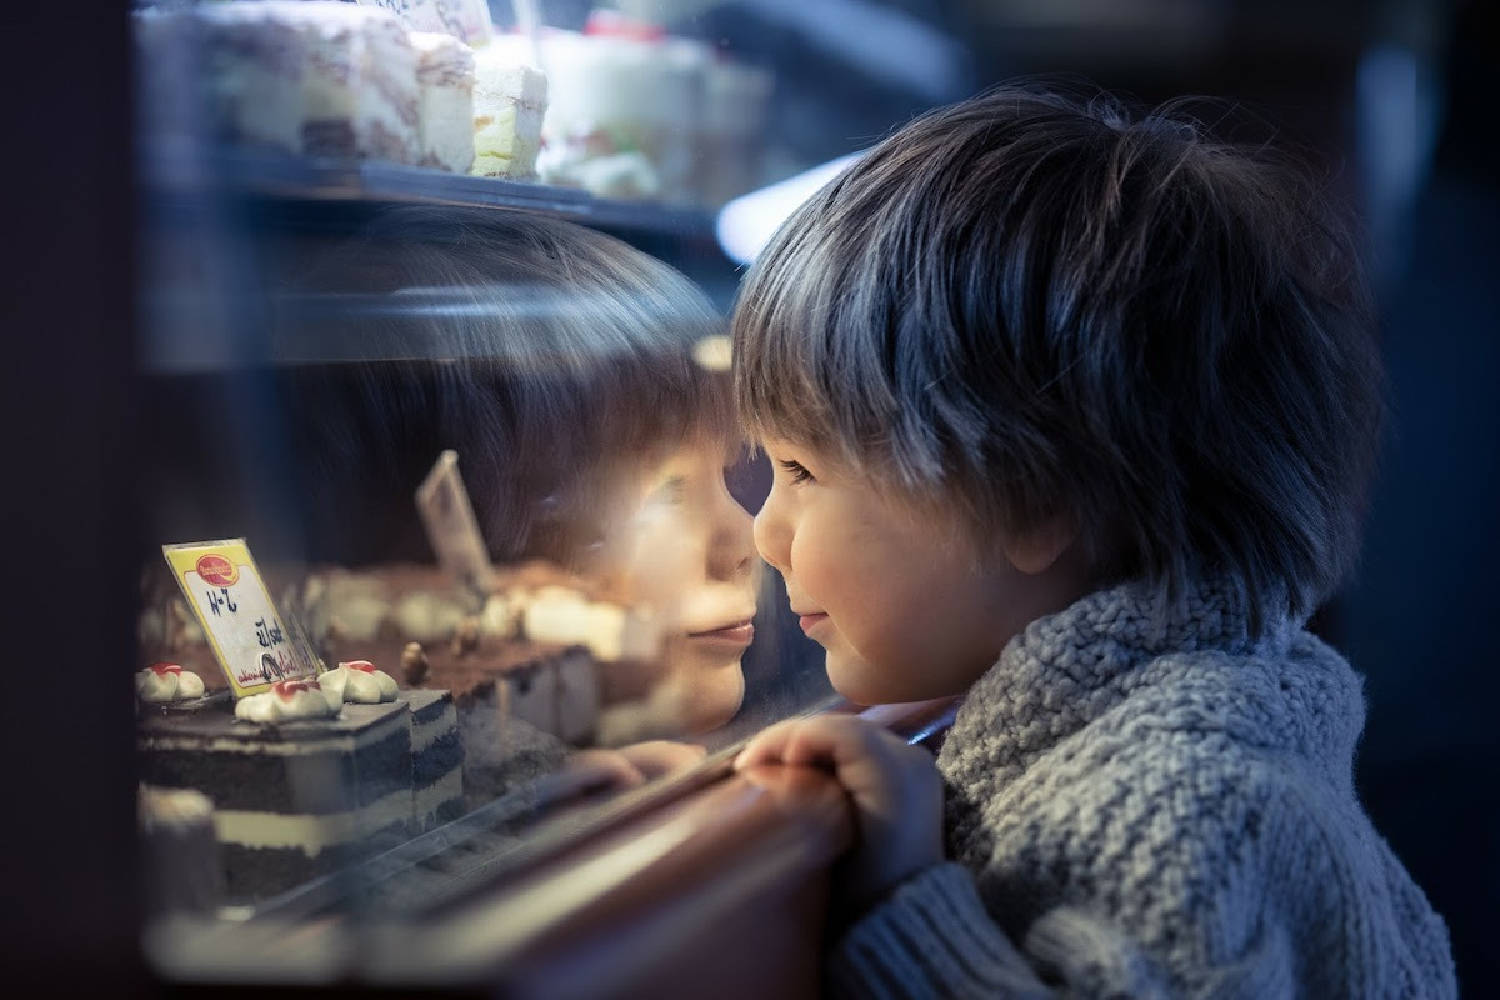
column 934, row 938
column 931, row 938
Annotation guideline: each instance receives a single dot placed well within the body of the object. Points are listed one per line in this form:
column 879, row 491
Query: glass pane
column 476, row 433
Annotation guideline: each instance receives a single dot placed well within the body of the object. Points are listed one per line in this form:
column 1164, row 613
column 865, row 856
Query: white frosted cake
column 389, row 98
column 295, row 795
column 445, row 78
column 625, row 111
column 332, row 33
column 510, row 100
column 359, row 80
column 319, row 78
column 253, row 57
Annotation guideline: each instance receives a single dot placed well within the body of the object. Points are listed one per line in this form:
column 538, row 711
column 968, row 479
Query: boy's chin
column 859, row 681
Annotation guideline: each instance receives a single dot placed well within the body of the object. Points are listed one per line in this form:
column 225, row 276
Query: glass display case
column 445, row 563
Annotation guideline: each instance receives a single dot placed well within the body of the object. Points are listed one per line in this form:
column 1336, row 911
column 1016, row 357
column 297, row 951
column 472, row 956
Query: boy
column 1074, row 415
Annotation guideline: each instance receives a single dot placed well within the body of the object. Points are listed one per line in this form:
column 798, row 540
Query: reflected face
column 680, row 547
column 904, row 610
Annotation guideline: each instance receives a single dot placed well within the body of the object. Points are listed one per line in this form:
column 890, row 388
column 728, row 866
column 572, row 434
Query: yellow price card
column 253, row 643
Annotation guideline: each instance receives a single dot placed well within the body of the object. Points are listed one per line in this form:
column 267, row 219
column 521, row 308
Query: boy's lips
column 737, row 633
column 811, row 619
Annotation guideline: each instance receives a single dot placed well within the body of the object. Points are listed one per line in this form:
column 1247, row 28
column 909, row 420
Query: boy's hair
column 552, row 357
column 1027, row 305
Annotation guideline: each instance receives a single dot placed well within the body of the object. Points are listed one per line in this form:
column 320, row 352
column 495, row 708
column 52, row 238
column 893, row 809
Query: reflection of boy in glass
column 558, row 363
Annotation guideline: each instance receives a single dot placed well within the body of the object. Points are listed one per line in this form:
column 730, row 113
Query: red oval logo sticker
column 217, row 570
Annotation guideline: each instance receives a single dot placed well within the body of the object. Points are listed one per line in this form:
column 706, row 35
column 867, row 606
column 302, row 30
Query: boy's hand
column 895, row 787
column 632, row 766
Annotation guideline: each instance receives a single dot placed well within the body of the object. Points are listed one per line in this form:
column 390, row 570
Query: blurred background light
column 746, row 224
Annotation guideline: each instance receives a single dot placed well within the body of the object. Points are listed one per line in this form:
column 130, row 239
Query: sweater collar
column 1069, row 668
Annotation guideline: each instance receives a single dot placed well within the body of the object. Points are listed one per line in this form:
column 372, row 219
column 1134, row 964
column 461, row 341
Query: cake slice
column 252, row 57
column 510, row 99
column 389, row 99
column 292, row 799
column 445, row 78
column 437, row 758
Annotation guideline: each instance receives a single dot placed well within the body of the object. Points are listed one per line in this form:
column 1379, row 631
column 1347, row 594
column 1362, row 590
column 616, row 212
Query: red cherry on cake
column 285, row 689
column 364, row 666
column 163, row 669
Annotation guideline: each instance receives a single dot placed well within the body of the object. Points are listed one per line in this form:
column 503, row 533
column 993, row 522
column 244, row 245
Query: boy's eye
column 797, row 469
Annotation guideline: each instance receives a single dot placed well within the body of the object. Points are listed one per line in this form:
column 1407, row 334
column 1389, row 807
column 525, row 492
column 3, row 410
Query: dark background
column 1393, row 100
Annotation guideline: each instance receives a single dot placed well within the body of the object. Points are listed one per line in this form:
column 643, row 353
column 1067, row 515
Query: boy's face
column 905, row 610
column 679, row 546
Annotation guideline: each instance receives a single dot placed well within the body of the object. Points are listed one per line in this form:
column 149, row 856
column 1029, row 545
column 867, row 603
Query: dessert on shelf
column 445, row 78
column 303, row 776
column 531, row 649
column 635, row 113
column 341, row 81
column 180, row 851
column 510, row 102
column 437, row 757
column 297, row 790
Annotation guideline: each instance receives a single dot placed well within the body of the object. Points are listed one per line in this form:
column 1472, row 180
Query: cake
column 510, row 100
column 252, row 58
column 437, row 757
column 445, row 80
column 314, row 78
column 533, row 649
column 332, row 121
column 180, row 852
column 294, row 797
column 467, row 20
column 390, row 100
column 626, row 103
column 360, row 95
column 636, row 113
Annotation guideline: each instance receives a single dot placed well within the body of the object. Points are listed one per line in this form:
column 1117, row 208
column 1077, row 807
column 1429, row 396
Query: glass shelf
column 171, row 171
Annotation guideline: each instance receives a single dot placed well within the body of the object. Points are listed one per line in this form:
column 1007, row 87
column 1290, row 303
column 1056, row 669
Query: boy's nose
column 732, row 548
column 773, row 534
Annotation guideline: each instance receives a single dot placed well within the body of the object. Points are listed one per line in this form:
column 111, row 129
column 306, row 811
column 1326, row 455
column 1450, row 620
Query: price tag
column 254, row 644
column 446, row 513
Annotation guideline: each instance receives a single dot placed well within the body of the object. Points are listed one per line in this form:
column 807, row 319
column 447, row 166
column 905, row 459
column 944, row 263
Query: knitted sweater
column 1146, row 806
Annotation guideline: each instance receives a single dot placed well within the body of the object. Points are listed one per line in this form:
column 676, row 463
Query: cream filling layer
column 507, row 138
column 310, row 834
column 425, row 801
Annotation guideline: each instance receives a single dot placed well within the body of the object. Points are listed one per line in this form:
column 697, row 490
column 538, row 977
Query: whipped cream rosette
column 286, row 701
column 357, row 681
column 165, row 682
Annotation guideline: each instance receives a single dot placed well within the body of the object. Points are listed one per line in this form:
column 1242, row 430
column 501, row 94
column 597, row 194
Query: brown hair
column 550, row 356
column 1034, row 304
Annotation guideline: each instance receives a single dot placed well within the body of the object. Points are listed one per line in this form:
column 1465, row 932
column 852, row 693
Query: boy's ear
column 1033, row 552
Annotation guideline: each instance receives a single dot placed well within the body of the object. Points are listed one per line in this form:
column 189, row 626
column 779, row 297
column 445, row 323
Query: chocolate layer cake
column 437, row 757
column 179, row 851
column 292, row 800
column 414, row 622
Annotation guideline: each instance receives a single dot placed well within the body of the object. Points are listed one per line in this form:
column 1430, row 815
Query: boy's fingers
column 766, row 748
column 841, row 741
column 656, row 758
column 837, row 741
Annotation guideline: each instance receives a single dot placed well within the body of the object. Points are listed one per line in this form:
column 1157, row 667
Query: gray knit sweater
column 1144, row 810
